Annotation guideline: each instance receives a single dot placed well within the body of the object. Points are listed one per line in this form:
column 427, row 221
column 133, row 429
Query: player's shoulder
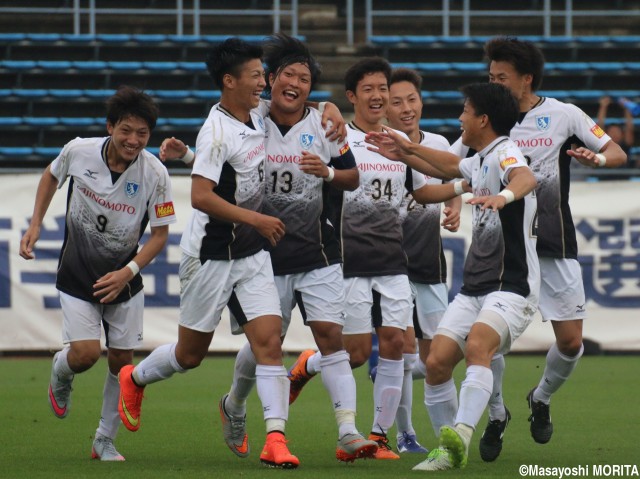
column 153, row 162
column 553, row 105
column 433, row 140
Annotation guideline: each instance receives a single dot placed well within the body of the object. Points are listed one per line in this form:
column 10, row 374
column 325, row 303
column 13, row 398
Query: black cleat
column 491, row 440
column 540, row 419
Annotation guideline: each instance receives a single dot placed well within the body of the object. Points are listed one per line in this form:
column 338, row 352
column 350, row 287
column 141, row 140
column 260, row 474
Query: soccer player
column 423, row 245
column 223, row 251
column 301, row 164
column 116, row 188
column 544, row 133
column 501, row 276
column 375, row 265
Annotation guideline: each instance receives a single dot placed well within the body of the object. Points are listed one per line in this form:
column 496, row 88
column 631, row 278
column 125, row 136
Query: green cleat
column 454, row 441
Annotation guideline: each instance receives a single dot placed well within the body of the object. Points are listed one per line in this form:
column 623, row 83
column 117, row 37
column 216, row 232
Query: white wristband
column 602, row 160
column 188, row 156
column 321, row 106
column 331, row 174
column 133, row 266
column 508, row 195
column 457, row 188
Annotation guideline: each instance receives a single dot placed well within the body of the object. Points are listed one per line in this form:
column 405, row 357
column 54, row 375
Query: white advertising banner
column 606, row 214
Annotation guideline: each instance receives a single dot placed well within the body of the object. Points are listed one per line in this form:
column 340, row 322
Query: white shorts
column 122, row 322
column 562, row 295
column 319, row 295
column 430, row 303
column 246, row 284
column 377, row 301
column 464, row 310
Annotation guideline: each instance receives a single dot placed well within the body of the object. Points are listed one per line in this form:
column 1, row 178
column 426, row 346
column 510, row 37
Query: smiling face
column 370, row 99
column 471, row 125
column 290, row 88
column 505, row 74
column 129, row 137
column 405, row 107
column 243, row 91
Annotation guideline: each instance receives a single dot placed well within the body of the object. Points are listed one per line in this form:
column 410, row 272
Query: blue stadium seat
column 387, row 39
column 207, row 94
column 30, row 93
column 44, row 37
column 10, row 120
column 624, row 39
column 16, row 151
column 12, row 37
column 92, row 93
column 78, row 38
column 469, row 66
column 607, row 67
column 113, row 37
column 420, row 39
column 5, row 92
column 160, row 66
column 81, row 121
column 50, row 151
column 634, row 66
column 428, row 123
column 320, row 95
column 40, row 120
column 149, row 38
column 54, row 64
column 126, row 65
column 447, row 95
column 170, row 94
column 558, row 94
column 192, row 66
column 18, row 64
column 431, row 67
column 73, row 93
column 185, row 38
column 89, row 65
column 591, row 39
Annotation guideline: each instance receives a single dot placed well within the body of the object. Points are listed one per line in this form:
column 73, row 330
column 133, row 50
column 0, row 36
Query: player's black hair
column 129, row 101
column 228, row 57
column 366, row 66
column 496, row 101
column 282, row 50
column 408, row 75
column 525, row 57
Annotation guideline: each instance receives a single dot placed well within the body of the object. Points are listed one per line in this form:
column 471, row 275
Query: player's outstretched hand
column 494, row 202
column 312, row 165
column 109, row 286
column 451, row 221
column 28, row 241
column 270, row 227
column 333, row 123
column 172, row 149
column 585, row 156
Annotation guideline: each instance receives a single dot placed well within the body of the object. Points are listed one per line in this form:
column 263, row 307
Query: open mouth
column 290, row 94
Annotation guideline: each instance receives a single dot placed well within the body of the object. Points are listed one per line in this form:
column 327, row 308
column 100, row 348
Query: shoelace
column 237, row 427
column 62, row 390
column 108, row 449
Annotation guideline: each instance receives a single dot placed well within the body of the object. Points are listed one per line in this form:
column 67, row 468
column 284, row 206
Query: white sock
column 61, row 366
column 272, row 384
column 339, row 382
column 496, row 401
column 386, row 394
column 244, row 379
column 441, row 401
column 109, row 417
column 419, row 370
column 475, row 391
column 314, row 365
column 403, row 415
column 160, row 364
column 558, row 369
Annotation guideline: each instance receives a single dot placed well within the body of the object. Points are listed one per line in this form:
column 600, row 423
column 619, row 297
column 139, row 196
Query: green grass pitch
column 596, row 417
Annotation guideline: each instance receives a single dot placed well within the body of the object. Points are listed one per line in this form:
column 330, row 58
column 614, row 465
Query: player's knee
column 189, row 360
column 357, row 358
column 570, row 346
column 438, row 371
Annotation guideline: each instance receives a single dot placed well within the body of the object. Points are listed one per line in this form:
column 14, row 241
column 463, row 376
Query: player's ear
column 351, row 96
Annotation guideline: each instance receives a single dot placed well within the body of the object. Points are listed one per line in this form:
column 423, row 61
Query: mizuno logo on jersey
column 344, row 149
column 165, row 209
column 596, row 130
column 508, row 161
column 90, row 174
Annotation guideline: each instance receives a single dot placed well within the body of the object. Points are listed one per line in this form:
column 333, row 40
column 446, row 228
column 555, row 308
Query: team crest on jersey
column 596, row 130
column 131, row 188
column 306, row 140
column 542, row 122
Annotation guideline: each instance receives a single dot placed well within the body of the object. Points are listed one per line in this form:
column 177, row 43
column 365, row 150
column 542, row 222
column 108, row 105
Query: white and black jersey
column 107, row 214
column 544, row 134
column 369, row 217
column 421, row 228
column 231, row 154
column 299, row 199
column 502, row 255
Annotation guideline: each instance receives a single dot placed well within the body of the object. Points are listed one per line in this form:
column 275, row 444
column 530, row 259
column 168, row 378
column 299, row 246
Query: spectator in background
column 622, row 134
